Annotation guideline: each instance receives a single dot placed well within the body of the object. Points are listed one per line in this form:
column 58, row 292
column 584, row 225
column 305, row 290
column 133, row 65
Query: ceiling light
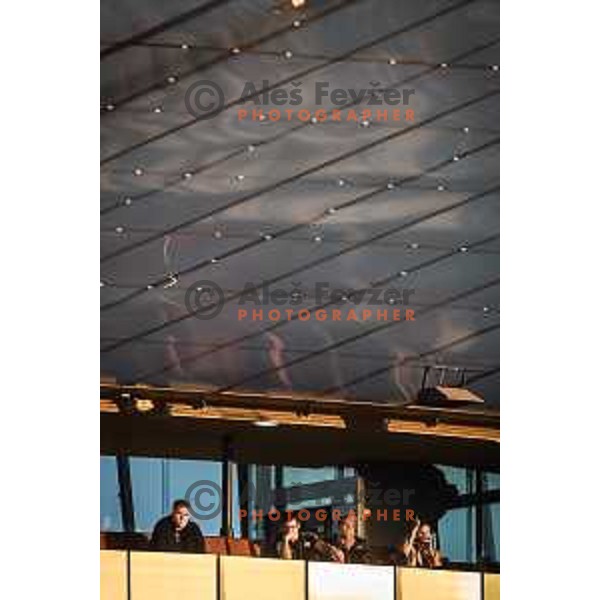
column 127, row 201
column 495, row 67
column 331, row 211
column 298, row 3
column 143, row 405
column 365, row 123
column 251, row 148
column 314, row 120
column 341, row 182
column 392, row 61
column 119, row 229
column 440, row 188
column 466, row 129
column 297, row 23
column 149, row 287
column 455, row 157
column 218, row 234
column 157, row 110
column 110, row 107
column 403, row 273
column 240, row 177
column 267, row 237
column 486, row 309
column 187, row 175
column 318, row 239
column 444, row 65
column 235, row 51
column 288, row 54
column 214, row 261
column 171, row 79
column 390, row 185
column 184, row 47
column 101, row 283
column 265, row 423
column 463, row 248
column 414, row 245
column 138, row 171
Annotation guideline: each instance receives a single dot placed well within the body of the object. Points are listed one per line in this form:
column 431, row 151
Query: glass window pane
column 491, row 532
column 491, row 481
column 110, row 506
column 157, row 482
column 459, row 477
column 456, row 530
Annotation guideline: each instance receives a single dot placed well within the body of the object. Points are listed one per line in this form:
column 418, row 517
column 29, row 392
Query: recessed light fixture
column 298, row 3
column 440, row 188
column 187, row 175
column 341, row 182
column 251, row 148
column 240, row 177
column 184, row 47
column 390, row 185
column 392, row 61
column 403, row 273
column 110, row 107
column 101, row 283
column 297, row 23
column 456, row 157
column 331, row 211
column 444, row 65
column 414, row 245
column 157, row 110
column 119, row 229
column 171, row 79
column 235, row 50
column 288, row 54
column 218, row 234
column 318, row 239
column 495, row 67
column 466, row 129
column 464, row 248
column 265, row 423
column 214, row 261
column 149, row 287
column 267, row 237
column 127, row 201
column 365, row 123
column 486, row 309
column 138, row 171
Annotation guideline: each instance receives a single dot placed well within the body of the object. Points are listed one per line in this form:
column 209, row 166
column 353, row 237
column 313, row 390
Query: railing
column 135, row 575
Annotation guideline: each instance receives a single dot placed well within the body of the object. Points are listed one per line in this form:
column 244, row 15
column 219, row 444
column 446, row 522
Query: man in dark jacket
column 176, row 533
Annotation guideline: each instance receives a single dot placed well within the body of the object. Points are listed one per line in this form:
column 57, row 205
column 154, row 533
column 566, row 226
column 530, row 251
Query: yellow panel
column 426, row 584
column 171, row 576
column 113, row 575
column 244, row 578
column 330, row 581
column 491, row 586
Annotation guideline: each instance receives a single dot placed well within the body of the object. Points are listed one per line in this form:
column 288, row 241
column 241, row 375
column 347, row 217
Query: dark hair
column 179, row 503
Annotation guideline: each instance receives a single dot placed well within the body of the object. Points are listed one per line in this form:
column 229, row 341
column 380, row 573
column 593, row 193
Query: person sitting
column 290, row 546
column 349, row 548
column 418, row 550
column 176, row 533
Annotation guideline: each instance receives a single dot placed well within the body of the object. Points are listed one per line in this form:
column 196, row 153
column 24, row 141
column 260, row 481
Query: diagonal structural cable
column 286, row 181
column 283, row 134
column 411, row 358
column 297, row 226
column 286, row 80
column 138, row 38
column 235, row 341
column 356, row 337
